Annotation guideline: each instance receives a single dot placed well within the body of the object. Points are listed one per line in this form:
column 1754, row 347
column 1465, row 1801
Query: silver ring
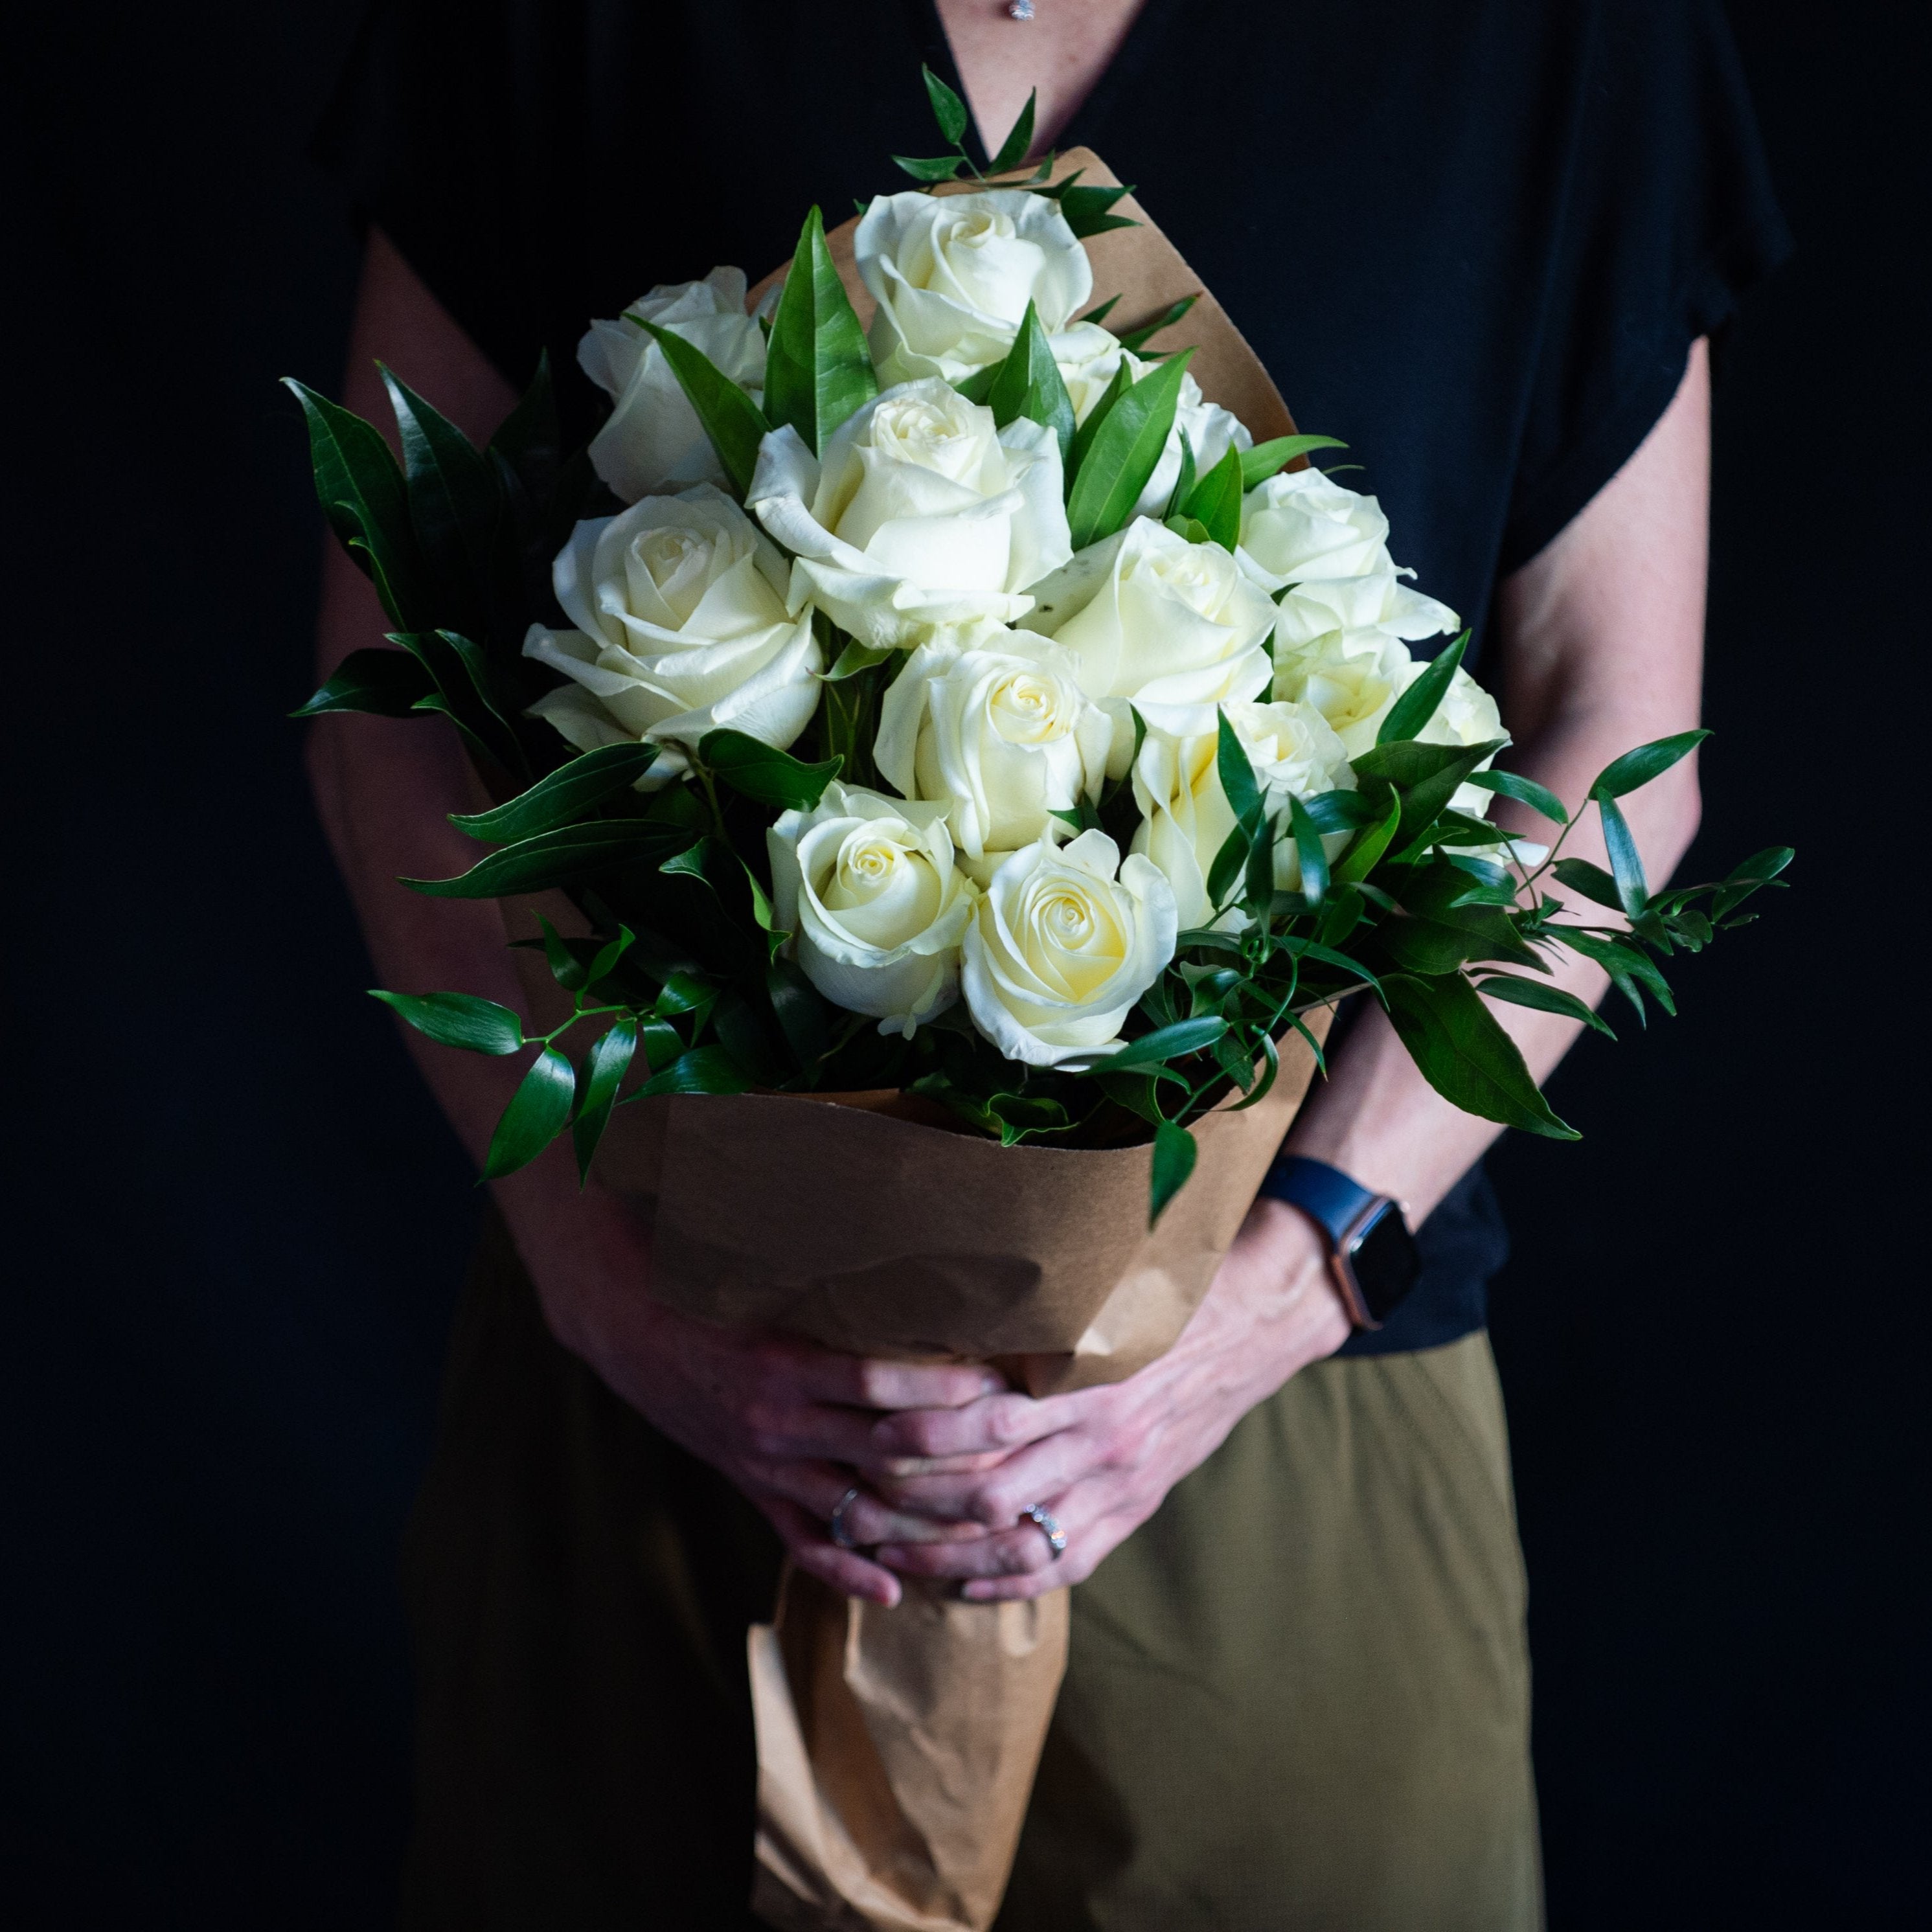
column 1049, row 1527
column 841, row 1535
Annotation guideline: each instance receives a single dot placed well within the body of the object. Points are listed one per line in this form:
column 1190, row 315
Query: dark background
column 236, row 1224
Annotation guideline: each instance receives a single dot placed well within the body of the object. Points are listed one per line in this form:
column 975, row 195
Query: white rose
column 652, row 439
column 1359, row 610
column 1467, row 715
column 1170, row 628
column 1059, row 950
column 1185, row 817
column 682, row 628
column 999, row 735
column 1088, row 355
column 922, row 516
column 952, row 275
column 1352, row 678
column 1298, row 525
column 867, row 887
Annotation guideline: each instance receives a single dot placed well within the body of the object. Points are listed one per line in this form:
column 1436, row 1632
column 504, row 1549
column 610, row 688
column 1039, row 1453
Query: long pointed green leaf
column 948, row 109
column 1465, row 1055
column 733, row 422
column 1639, row 767
column 1123, row 455
column 1626, row 862
column 353, row 467
column 1525, row 791
column 565, row 796
column 761, row 772
column 1215, row 501
column 1019, row 138
column 1164, row 1043
column 537, row 1113
column 455, row 501
column 457, row 1019
column 609, row 1061
column 1118, row 384
column 1261, row 462
column 389, row 684
column 1543, row 997
column 1175, row 1151
column 1408, row 717
column 1138, row 338
column 567, row 857
column 1234, row 769
column 530, row 438
column 817, row 367
column 1308, row 849
column 1028, row 383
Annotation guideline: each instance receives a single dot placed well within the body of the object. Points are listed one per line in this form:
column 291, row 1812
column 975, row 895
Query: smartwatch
column 1372, row 1255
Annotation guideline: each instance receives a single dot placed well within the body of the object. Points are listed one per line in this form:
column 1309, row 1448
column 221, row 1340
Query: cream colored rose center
column 1026, row 710
column 1189, row 576
column 1347, row 693
column 1073, row 938
column 916, row 429
column 881, row 891
column 681, row 563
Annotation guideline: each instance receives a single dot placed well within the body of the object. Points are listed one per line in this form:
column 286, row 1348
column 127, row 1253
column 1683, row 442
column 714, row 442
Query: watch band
column 1348, row 1214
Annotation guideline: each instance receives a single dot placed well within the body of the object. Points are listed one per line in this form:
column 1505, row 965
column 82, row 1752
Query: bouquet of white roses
column 973, row 717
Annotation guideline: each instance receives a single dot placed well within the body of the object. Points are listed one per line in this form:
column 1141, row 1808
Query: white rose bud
column 1088, row 355
column 1060, row 949
column 867, row 887
column 999, row 735
column 1352, row 678
column 653, row 440
column 1297, row 525
column 682, row 629
column 1169, row 627
column 1185, row 817
column 952, row 275
column 923, row 516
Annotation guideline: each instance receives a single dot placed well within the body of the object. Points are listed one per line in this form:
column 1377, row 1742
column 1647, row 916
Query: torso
column 1062, row 51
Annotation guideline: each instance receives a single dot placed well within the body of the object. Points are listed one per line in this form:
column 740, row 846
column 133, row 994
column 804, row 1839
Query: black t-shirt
column 1473, row 239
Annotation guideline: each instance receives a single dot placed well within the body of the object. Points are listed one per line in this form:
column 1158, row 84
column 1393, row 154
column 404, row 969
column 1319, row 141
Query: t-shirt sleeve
column 1668, row 217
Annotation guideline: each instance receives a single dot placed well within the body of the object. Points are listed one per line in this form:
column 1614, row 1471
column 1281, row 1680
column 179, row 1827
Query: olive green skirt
column 1298, row 1697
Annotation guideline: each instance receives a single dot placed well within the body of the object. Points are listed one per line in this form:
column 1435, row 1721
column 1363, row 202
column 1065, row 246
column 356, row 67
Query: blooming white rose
column 1298, row 525
column 682, row 628
column 1059, row 949
column 1185, row 815
column 1360, row 610
column 1169, row 627
column 653, row 440
column 867, row 887
column 999, row 734
column 1088, row 355
column 923, row 515
column 1352, row 678
column 952, row 275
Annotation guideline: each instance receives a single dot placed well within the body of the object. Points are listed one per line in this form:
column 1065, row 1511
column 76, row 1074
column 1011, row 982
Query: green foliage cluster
column 683, row 986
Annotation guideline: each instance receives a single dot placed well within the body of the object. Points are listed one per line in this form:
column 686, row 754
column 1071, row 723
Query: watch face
column 1385, row 1262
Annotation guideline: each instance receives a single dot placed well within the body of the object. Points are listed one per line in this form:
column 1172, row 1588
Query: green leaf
column 1138, row 338
column 818, row 368
column 530, row 438
column 704, row 1069
column 948, row 109
column 1592, row 881
column 1626, row 862
column 803, row 1014
column 1425, row 776
column 1631, row 972
column 1544, row 998
column 458, row 1019
column 1164, row 1043
column 1215, row 502
column 1234, row 769
column 1361, row 858
column 565, row 796
column 355, row 471
column 1118, row 384
column 1760, row 869
column 455, row 501
column 1175, row 1151
column 1123, row 453
column 1231, row 861
column 538, row 1112
column 1102, row 311
column 604, row 1070
column 1465, row 1055
column 1189, row 529
column 934, row 168
column 855, row 658
column 1410, row 714
column 1525, row 791
column 733, row 422
column 1341, row 811
column 569, row 855
column 1308, row 848
column 1019, row 138
column 387, row 684
column 465, row 684
column 1028, row 383
column 1087, row 210
column 1183, row 485
column 1261, row 462
column 762, row 772
column 1647, row 762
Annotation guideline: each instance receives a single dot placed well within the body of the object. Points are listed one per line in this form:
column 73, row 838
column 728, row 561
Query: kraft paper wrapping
column 897, row 1748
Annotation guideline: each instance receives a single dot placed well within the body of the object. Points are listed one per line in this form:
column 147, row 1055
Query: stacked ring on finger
column 841, row 1535
column 1049, row 1526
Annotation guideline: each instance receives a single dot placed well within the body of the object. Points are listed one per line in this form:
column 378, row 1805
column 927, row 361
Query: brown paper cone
column 897, row 1749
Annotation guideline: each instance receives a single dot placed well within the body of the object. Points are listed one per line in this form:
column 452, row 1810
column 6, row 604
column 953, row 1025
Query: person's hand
column 791, row 1424
column 1100, row 1460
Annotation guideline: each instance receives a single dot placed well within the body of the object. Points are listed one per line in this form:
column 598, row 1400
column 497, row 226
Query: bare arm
column 1602, row 647
column 780, row 1417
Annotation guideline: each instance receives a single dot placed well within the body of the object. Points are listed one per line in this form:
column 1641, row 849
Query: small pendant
column 1020, row 9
